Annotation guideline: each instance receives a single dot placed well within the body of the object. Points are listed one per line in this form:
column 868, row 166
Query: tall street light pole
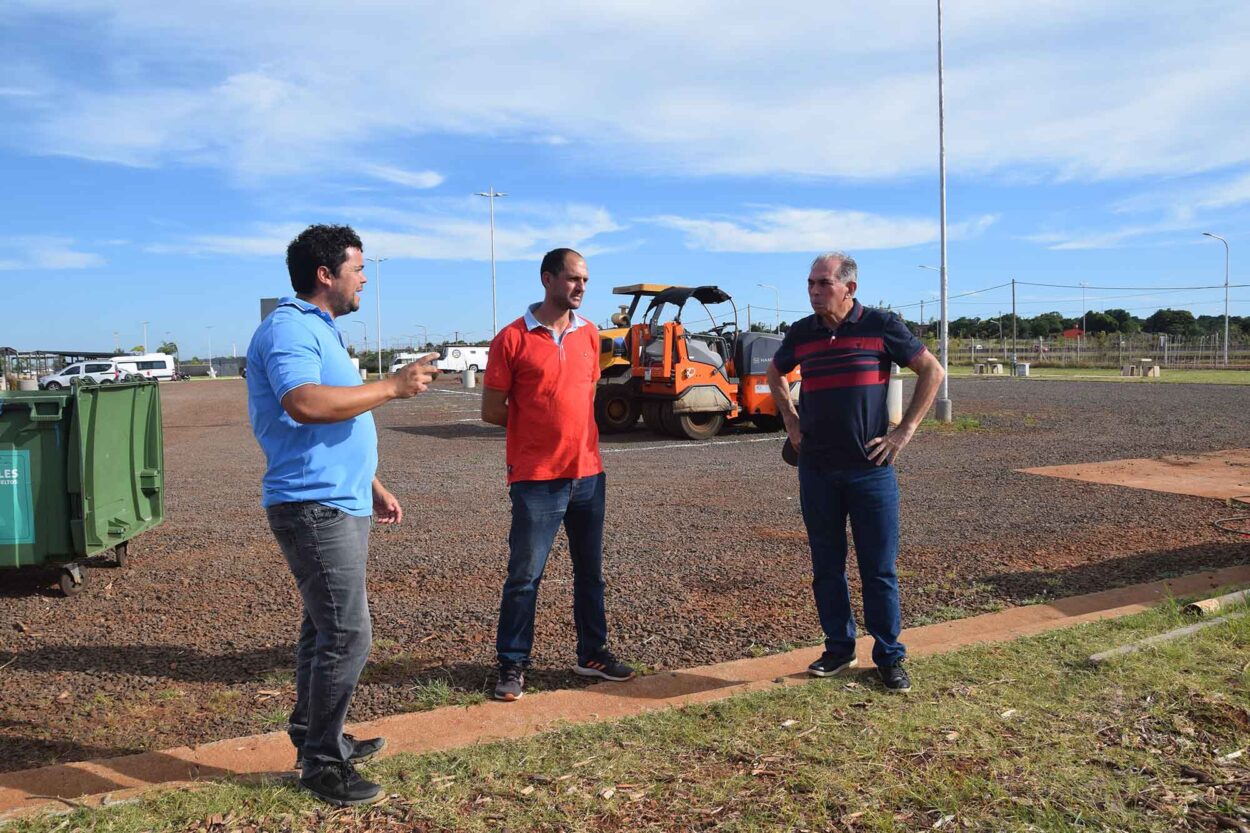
column 943, row 410
column 931, row 269
column 145, row 337
column 377, row 292
column 491, row 194
column 776, row 302
column 1225, row 242
column 210, row 350
column 425, row 336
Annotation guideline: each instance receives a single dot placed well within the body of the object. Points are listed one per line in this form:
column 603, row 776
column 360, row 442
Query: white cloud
column 399, row 176
column 454, row 230
column 783, row 229
column 44, row 252
column 1061, row 88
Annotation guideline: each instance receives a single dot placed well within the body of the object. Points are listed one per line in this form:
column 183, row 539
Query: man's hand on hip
column 885, row 449
column 415, row 378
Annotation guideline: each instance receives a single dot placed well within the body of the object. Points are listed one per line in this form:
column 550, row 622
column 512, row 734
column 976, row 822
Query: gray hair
column 848, row 270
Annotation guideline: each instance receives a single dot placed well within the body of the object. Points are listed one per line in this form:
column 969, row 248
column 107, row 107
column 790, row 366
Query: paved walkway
column 93, row 783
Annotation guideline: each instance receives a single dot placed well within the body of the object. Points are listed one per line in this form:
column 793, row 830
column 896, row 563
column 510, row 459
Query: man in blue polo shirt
column 846, row 454
column 310, row 412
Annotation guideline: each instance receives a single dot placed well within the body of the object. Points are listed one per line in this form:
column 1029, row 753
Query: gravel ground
column 705, row 556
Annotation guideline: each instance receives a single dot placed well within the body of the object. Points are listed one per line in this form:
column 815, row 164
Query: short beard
column 349, row 306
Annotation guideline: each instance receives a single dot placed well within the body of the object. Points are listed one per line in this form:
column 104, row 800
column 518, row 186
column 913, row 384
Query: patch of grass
column 434, row 694
column 941, row 613
column 1018, row 736
column 273, row 719
column 226, row 700
column 1169, row 375
column 956, row 425
column 170, row 694
column 277, row 677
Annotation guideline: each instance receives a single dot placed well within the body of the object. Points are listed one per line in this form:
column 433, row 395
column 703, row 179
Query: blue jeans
column 538, row 509
column 869, row 497
column 326, row 549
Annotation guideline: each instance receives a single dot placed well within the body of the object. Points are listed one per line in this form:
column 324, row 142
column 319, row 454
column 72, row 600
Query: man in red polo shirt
column 540, row 386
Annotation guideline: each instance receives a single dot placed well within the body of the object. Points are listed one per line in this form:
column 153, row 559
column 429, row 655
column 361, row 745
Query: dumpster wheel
column 73, row 579
column 121, row 554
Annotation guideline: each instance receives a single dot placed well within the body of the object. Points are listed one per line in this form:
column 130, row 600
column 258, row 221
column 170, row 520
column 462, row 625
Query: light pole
column 491, row 194
column 425, row 336
column 1225, row 242
column 210, row 350
column 943, row 330
column 943, row 410
column 117, row 342
column 776, row 302
column 366, row 334
column 1080, row 341
column 145, row 337
column 377, row 291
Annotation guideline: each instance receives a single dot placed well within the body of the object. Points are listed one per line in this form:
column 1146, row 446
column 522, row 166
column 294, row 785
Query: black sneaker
column 341, row 785
column 895, row 678
column 511, row 685
column 830, row 664
column 604, row 666
column 362, row 750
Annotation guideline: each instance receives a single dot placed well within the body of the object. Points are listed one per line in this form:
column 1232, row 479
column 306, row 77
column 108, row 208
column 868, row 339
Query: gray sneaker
column 511, row 685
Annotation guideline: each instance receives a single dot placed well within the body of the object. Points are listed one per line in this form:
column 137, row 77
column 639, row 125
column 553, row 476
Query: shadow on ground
column 1030, row 586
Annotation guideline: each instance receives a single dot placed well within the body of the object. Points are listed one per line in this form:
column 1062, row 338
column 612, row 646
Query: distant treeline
column 1173, row 322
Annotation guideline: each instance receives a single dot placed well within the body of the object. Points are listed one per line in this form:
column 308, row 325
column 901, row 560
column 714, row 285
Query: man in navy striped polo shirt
column 846, row 453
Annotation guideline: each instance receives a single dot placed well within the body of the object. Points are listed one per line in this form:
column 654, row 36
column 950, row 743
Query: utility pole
column 1225, row 242
column 1081, row 340
column 922, row 317
column 1014, row 318
column 492, row 194
column 145, row 337
column 377, row 291
column 776, row 303
column 943, row 410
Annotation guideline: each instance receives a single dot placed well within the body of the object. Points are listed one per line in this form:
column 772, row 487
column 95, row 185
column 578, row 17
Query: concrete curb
column 100, row 782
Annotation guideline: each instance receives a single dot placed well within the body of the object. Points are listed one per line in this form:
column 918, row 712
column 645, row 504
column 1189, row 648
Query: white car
column 102, row 372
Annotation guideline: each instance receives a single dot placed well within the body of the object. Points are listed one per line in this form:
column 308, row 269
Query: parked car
column 102, row 372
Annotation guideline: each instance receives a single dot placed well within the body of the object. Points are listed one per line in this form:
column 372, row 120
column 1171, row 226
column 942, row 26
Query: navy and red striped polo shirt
column 846, row 374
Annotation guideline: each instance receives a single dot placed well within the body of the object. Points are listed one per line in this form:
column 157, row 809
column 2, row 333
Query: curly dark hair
column 318, row 245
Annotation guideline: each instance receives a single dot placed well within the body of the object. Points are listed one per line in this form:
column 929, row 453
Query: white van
column 461, row 357
column 150, row 366
column 402, row 359
column 100, row 371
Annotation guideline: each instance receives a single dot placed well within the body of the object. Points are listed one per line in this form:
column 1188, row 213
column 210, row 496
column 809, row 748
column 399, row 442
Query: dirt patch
column 1221, row 475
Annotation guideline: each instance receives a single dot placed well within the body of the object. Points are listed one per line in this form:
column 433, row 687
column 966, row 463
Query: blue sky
column 157, row 157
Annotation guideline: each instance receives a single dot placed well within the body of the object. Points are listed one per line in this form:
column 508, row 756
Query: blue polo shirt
column 846, row 375
column 330, row 463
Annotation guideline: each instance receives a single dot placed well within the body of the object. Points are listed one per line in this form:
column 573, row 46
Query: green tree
column 1046, row 324
column 1100, row 322
column 169, row 348
column 1174, row 322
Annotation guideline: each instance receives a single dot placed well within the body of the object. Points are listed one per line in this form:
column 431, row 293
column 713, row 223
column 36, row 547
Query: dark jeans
column 326, row 549
column 869, row 497
column 538, row 509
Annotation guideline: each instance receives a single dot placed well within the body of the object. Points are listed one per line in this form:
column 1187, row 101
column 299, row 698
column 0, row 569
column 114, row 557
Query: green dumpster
column 81, row 472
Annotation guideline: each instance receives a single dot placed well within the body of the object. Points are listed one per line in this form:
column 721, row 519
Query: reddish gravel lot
column 706, row 557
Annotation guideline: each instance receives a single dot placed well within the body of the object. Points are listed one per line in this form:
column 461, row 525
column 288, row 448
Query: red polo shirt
column 551, row 399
